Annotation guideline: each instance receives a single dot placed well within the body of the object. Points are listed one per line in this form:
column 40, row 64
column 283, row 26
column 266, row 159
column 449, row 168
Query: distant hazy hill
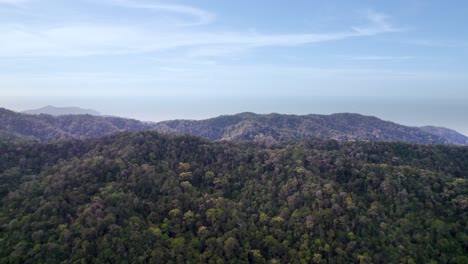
column 449, row 134
column 240, row 127
column 47, row 127
column 277, row 127
column 57, row 111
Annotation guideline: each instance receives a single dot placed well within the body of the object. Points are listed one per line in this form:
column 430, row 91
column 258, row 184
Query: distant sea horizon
column 445, row 112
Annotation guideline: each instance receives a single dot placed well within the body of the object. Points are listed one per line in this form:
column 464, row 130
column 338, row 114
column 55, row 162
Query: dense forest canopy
column 144, row 197
column 303, row 132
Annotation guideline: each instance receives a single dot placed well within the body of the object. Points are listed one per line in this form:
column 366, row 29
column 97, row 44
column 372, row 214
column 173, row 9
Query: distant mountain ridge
column 278, row 127
column 267, row 128
column 45, row 127
column 57, row 111
column 447, row 133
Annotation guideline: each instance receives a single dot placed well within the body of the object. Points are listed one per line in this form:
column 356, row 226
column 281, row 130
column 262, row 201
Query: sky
column 411, row 57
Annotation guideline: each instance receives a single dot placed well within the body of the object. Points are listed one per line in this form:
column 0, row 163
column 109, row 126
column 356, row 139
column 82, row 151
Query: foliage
column 150, row 198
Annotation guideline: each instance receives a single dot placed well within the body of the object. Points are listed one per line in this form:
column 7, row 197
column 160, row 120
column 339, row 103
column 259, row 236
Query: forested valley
column 144, row 197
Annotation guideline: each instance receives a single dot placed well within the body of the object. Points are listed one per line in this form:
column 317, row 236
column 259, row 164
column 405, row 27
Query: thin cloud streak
column 379, row 24
column 195, row 73
column 201, row 16
column 437, row 43
column 380, row 58
column 13, row 2
column 93, row 39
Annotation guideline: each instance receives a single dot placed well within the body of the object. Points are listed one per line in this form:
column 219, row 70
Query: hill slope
column 240, row 127
column 46, row 127
column 57, row 111
column 149, row 198
column 449, row 134
column 276, row 127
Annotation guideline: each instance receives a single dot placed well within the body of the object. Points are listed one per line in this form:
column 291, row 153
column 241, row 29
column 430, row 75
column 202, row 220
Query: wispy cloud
column 12, row 1
column 85, row 40
column 200, row 16
column 216, row 51
column 380, row 58
column 221, row 78
column 437, row 43
column 16, row 3
column 98, row 39
column 380, row 23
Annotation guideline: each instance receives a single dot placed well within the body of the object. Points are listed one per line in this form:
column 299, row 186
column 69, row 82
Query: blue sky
column 225, row 49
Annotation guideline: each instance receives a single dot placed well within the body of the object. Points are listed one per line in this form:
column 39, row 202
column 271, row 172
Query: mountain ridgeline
column 44, row 127
column 277, row 127
column 57, row 111
column 240, row 127
column 144, row 197
column 94, row 189
column 452, row 135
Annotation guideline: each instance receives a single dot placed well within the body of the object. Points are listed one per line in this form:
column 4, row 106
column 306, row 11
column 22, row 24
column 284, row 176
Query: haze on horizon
column 404, row 61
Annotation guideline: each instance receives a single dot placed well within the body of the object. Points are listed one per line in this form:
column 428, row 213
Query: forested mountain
column 277, row 127
column 144, row 197
column 452, row 135
column 56, row 111
column 241, row 127
column 46, row 127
